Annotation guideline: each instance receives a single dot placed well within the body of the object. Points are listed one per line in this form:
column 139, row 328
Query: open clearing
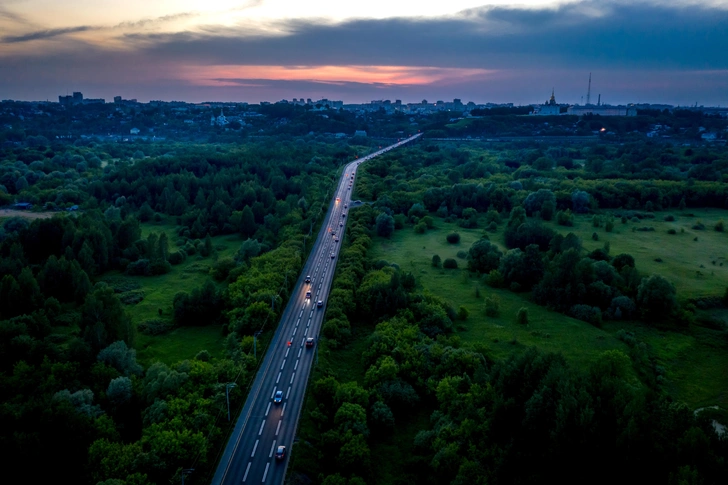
column 159, row 291
column 695, row 361
column 8, row 213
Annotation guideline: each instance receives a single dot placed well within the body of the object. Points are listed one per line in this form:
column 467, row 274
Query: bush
column 586, row 313
column 450, row 263
column 669, row 218
column 177, row 257
column 492, row 227
column 671, row 231
column 595, row 236
column 462, row 254
column 453, row 238
column 609, row 226
column 492, row 306
column 699, row 226
column 522, row 316
column 154, row 327
column 132, row 297
column 646, row 229
column 420, row 228
column 463, row 313
column 436, row 261
column 495, row 279
column 719, row 226
column 565, row 218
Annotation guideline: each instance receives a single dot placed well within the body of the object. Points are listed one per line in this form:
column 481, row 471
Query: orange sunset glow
column 394, row 75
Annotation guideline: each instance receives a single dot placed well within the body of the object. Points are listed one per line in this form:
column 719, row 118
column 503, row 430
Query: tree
column 163, row 252
column 450, row 263
column 436, row 261
column 656, row 298
column 119, row 356
column 522, row 316
column 103, row 319
column 119, row 390
column 453, row 238
column 385, row 225
column 483, row 256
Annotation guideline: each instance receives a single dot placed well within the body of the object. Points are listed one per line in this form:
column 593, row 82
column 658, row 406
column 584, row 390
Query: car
column 309, row 342
column 308, row 278
column 308, row 295
column 333, row 255
column 341, row 224
column 279, row 397
column 336, row 239
column 320, row 303
column 338, row 199
column 346, row 206
column 343, row 214
column 349, row 188
column 280, row 452
column 333, row 233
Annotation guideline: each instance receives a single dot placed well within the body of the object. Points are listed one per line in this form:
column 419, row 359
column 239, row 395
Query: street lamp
column 255, row 353
column 186, row 471
column 228, row 386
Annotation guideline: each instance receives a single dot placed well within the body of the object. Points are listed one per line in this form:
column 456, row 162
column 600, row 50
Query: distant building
column 134, row 131
column 220, row 120
column 549, row 108
column 602, row 110
column 360, row 133
column 23, row 206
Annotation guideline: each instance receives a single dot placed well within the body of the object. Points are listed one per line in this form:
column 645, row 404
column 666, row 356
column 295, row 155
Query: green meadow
column 696, row 369
column 159, row 291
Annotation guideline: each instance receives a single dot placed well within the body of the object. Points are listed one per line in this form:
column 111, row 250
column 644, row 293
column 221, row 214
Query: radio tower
column 588, row 91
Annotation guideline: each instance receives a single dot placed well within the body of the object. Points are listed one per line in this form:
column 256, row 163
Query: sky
column 637, row 51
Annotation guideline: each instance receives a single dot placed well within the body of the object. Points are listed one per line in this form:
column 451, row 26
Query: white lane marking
column 245, row 477
column 309, row 321
column 279, row 378
column 265, row 474
column 292, row 376
column 272, row 448
column 283, row 364
column 299, row 320
column 287, row 350
column 309, row 324
column 267, row 410
column 254, row 448
column 294, row 330
column 311, row 314
column 295, row 367
column 260, row 431
column 273, row 393
column 278, row 428
column 299, row 353
column 283, row 410
column 299, row 315
column 288, row 392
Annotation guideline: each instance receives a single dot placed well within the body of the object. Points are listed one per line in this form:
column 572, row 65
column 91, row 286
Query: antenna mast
column 588, row 91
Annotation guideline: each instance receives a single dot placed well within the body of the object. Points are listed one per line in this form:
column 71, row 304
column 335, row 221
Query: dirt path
column 26, row 214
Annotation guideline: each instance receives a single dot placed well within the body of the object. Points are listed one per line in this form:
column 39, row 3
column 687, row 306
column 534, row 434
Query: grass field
column 159, row 291
column 695, row 359
column 696, row 268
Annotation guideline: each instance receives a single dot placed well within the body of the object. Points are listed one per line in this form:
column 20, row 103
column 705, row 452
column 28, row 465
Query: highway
column 264, row 425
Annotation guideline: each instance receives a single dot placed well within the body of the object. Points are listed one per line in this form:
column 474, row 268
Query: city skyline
column 480, row 51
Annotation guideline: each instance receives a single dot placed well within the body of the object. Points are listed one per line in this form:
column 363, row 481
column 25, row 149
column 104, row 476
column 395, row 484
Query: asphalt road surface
column 264, row 425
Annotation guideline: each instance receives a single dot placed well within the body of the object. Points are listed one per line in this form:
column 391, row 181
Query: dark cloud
column 639, row 36
column 44, row 34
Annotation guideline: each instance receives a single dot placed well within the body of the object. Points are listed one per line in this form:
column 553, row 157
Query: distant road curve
column 270, row 415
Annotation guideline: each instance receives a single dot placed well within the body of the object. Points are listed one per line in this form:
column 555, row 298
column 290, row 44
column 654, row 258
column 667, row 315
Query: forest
column 72, row 388
column 401, row 394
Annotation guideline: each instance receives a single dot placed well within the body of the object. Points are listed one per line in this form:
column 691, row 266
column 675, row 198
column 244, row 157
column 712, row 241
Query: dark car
column 308, row 295
column 280, row 452
column 333, row 255
column 279, row 397
column 336, row 239
column 308, row 279
column 309, row 342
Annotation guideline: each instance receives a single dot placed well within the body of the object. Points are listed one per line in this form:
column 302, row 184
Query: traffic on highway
column 261, row 444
